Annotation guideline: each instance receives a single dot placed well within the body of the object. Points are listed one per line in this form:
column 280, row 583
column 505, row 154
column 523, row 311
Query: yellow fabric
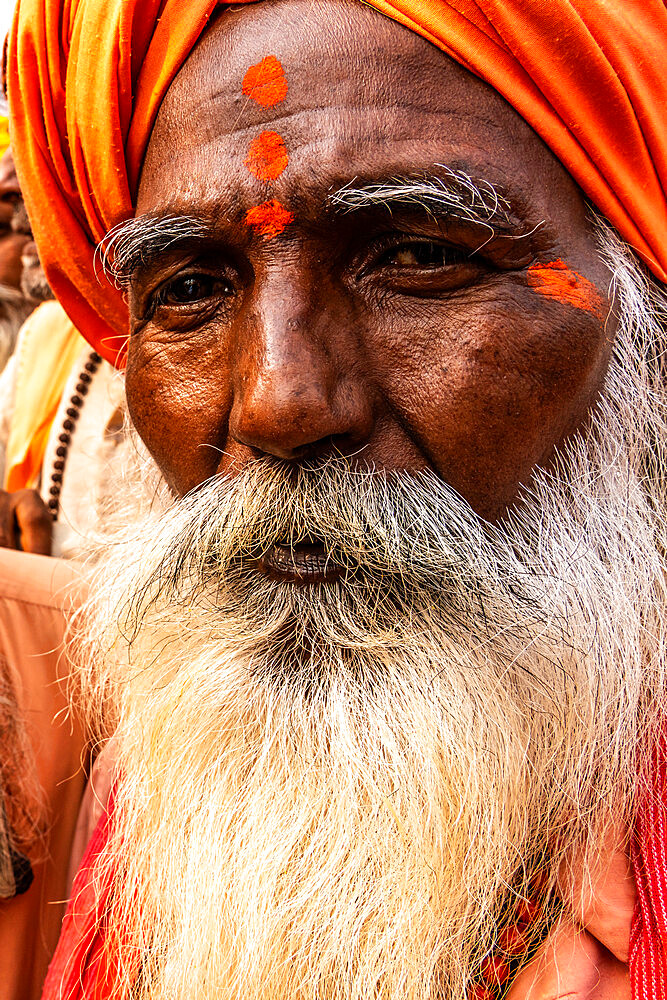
column 4, row 134
column 48, row 347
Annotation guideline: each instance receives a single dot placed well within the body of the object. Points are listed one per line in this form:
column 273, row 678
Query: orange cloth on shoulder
column 86, row 78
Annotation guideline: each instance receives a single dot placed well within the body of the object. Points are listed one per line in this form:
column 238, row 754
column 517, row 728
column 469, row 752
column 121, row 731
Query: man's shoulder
column 42, row 762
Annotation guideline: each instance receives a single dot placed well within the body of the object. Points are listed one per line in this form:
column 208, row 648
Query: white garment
column 96, row 457
column 7, row 403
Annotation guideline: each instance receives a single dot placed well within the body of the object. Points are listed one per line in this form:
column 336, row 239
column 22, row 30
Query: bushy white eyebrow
column 453, row 193
column 137, row 241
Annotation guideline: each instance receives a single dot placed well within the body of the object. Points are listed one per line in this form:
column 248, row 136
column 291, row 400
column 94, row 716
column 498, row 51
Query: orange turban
column 86, row 78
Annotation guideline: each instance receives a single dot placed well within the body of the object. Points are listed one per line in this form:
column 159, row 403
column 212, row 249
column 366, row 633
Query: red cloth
column 80, row 967
column 86, row 78
column 648, row 937
column 81, row 970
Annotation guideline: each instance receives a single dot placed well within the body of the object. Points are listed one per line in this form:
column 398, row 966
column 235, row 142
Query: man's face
column 464, row 333
column 12, row 243
column 20, row 265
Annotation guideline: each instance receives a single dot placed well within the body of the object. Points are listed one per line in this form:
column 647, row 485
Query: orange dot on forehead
column 265, row 82
column 269, row 219
column 267, row 156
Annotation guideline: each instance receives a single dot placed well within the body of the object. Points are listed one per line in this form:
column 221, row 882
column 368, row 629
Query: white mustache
column 413, row 526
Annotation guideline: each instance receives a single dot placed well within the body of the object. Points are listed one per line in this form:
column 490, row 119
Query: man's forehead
column 360, row 100
column 333, row 53
column 345, row 34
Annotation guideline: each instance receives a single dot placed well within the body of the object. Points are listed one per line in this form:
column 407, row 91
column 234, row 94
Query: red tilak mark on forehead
column 269, row 219
column 556, row 281
column 265, row 82
column 267, row 156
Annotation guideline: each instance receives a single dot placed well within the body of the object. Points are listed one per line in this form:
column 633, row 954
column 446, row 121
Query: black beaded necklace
column 69, row 424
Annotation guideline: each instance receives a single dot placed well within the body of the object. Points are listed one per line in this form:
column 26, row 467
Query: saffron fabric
column 82, row 968
column 4, row 134
column 37, row 593
column 47, row 348
column 86, row 78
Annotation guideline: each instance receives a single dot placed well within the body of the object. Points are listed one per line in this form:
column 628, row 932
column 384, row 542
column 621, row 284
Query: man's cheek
column 178, row 396
column 494, row 388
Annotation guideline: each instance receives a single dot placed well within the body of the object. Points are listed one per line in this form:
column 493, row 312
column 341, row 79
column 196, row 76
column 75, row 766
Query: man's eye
column 191, row 288
column 423, row 255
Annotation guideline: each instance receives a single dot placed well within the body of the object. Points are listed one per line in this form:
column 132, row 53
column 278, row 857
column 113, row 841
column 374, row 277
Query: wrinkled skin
column 357, row 333
column 319, row 339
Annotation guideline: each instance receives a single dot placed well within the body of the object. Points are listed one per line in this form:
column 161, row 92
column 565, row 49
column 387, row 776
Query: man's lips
column 301, row 562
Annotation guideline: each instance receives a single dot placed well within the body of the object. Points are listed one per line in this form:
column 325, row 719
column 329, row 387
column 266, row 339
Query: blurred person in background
column 63, row 443
column 16, row 303
column 43, row 762
column 43, row 766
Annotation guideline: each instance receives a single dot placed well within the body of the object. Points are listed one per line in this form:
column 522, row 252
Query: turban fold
column 86, row 78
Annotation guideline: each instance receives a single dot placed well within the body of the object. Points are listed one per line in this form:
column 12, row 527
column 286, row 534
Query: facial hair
column 344, row 790
column 33, row 281
column 14, row 311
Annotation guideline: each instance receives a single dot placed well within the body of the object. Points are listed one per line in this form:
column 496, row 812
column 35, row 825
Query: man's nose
column 299, row 389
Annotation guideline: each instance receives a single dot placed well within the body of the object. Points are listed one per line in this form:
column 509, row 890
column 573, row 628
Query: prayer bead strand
column 69, row 424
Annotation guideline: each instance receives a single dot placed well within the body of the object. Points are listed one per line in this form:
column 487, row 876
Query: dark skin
column 384, row 337
column 25, row 522
column 321, row 338
column 395, row 339
column 12, row 243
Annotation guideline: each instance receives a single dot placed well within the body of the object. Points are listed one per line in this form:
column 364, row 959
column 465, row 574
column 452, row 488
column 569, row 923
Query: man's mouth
column 305, row 562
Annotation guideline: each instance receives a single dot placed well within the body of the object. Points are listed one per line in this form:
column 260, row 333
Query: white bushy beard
column 342, row 791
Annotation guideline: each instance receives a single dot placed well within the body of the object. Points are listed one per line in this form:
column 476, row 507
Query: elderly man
column 384, row 661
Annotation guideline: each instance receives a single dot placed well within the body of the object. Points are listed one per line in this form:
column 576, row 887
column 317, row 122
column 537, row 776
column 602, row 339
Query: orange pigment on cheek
column 267, row 156
column 556, row 281
column 265, row 82
column 269, row 219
